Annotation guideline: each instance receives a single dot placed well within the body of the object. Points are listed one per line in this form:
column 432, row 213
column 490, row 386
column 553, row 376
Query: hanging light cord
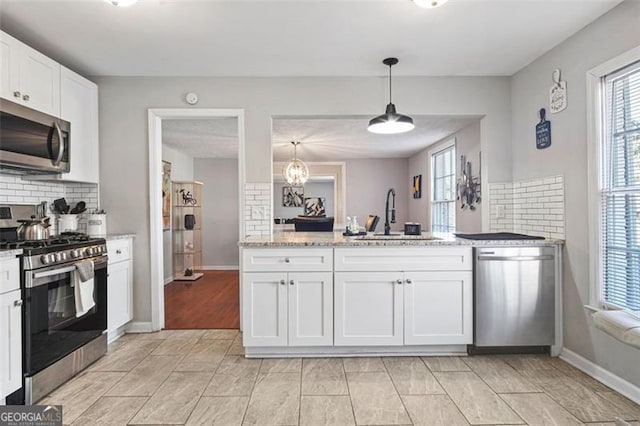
column 390, row 80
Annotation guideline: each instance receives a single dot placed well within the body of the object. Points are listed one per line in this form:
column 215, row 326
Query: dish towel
column 82, row 279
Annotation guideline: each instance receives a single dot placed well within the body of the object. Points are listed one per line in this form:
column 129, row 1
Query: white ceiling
column 202, row 138
column 296, row 37
column 337, row 139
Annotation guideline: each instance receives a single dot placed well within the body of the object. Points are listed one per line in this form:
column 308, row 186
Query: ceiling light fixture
column 121, row 3
column 296, row 172
column 430, row 4
column 390, row 122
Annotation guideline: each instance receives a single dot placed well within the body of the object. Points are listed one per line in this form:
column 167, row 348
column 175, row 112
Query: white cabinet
column 29, row 77
column 10, row 330
column 377, row 305
column 288, row 308
column 119, row 286
column 368, row 308
column 79, row 106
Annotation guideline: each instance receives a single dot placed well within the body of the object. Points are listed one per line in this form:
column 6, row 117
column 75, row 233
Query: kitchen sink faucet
column 387, row 226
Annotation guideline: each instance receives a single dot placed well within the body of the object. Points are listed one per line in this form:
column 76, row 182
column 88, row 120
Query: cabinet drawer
column 9, row 275
column 118, row 250
column 287, row 260
column 403, row 259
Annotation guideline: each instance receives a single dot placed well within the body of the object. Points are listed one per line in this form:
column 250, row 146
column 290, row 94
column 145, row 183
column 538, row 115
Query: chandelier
column 296, row 171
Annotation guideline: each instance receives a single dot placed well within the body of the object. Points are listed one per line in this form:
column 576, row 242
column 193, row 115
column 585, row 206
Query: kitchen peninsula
column 323, row 294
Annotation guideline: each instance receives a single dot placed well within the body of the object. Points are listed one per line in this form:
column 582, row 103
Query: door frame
column 155, row 117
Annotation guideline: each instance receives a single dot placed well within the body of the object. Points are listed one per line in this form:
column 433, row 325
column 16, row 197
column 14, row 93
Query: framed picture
column 314, row 206
column 292, row 196
column 166, row 195
column 417, row 186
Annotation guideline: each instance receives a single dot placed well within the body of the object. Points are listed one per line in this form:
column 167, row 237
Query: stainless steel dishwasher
column 514, row 293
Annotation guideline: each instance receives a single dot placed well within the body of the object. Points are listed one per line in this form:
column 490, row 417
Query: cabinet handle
column 286, row 260
column 291, row 282
column 409, row 281
column 118, row 251
column 17, row 302
column 399, row 281
column 25, row 98
column 16, row 94
column 282, row 282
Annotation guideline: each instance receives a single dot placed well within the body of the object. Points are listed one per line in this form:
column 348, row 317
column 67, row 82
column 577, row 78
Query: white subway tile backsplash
column 257, row 195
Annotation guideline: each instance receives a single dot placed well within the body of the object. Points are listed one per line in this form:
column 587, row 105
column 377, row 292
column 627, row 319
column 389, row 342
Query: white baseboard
column 615, row 382
column 139, row 327
column 221, row 268
column 168, row 280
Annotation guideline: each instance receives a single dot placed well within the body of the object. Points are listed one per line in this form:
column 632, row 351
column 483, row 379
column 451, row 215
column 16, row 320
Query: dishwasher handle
column 517, row 258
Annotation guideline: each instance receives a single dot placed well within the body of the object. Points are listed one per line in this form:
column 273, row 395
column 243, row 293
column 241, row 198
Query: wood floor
column 210, row 302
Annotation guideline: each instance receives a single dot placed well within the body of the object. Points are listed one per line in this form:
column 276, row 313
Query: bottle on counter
column 355, row 228
column 348, row 226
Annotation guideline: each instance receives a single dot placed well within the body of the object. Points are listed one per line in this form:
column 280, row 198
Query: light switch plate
column 500, row 212
column 258, row 212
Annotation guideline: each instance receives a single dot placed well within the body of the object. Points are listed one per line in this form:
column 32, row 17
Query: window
column 619, row 193
column 443, row 189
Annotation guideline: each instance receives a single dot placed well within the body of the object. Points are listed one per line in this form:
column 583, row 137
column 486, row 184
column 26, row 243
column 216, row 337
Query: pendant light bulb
column 296, row 171
column 391, row 122
column 429, row 4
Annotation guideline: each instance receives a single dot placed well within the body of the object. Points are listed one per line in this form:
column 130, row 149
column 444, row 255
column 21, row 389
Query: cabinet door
column 310, row 308
column 9, row 51
column 39, row 81
column 79, row 106
column 438, row 308
column 368, row 308
column 10, row 343
column 264, row 308
column 119, row 295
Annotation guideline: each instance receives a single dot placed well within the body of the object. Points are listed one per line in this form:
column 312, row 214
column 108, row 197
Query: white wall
column 467, row 143
column 367, row 184
column 181, row 169
column 609, row 36
column 220, row 214
column 311, row 189
column 124, row 155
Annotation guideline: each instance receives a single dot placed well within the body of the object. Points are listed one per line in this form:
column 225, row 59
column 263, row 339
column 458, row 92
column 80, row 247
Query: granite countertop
column 336, row 239
column 119, row 236
column 9, row 253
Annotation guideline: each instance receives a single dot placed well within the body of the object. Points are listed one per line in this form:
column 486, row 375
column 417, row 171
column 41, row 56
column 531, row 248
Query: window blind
column 620, row 193
column 444, row 186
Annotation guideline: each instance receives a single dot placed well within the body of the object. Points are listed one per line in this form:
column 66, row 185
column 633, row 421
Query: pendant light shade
column 296, row 171
column 390, row 122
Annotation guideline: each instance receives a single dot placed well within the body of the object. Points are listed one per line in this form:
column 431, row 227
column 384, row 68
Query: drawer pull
column 25, row 98
column 409, row 281
column 291, row 282
column 282, row 282
column 118, row 251
column 17, row 94
column 17, row 302
column 399, row 281
column 286, row 260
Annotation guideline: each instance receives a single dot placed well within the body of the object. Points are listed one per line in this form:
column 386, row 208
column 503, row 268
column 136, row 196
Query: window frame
column 596, row 139
column 450, row 143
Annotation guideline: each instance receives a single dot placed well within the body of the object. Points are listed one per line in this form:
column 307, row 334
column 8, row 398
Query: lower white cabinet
column 288, row 309
column 119, row 286
column 410, row 308
column 10, row 330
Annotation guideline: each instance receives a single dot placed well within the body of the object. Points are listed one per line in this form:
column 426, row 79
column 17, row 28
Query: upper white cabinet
column 10, row 329
column 79, row 106
column 29, row 77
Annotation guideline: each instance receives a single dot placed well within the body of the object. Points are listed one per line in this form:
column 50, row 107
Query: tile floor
column 199, row 377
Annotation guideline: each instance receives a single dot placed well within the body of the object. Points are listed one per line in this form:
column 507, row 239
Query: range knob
column 88, row 251
column 75, row 254
column 64, row 256
column 44, row 259
column 57, row 257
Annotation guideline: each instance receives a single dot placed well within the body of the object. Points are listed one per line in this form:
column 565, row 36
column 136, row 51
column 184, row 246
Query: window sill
column 619, row 324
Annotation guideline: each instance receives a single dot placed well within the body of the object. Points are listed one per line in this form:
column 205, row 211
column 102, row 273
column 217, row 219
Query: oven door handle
column 99, row 263
column 38, row 275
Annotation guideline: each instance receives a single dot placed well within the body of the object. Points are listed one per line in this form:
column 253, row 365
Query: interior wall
column 220, row 215
column 609, row 36
column 468, row 144
column 124, row 104
column 369, row 180
column 181, row 169
column 311, row 189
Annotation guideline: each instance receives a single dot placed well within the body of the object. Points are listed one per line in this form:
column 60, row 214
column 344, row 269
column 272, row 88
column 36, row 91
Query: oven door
column 51, row 327
column 32, row 141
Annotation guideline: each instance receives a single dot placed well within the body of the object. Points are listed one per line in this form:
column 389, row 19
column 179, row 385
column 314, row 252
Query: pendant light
column 296, row 172
column 121, row 3
column 429, row 4
column 390, row 122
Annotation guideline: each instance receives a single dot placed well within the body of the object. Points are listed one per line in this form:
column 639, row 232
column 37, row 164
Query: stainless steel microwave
column 32, row 141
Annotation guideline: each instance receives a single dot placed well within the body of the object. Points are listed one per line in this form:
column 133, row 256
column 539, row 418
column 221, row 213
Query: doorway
column 195, row 216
